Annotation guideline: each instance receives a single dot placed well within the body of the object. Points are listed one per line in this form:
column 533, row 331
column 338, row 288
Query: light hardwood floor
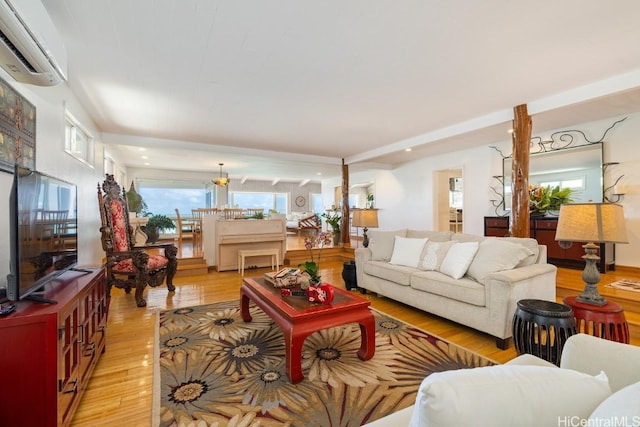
column 119, row 392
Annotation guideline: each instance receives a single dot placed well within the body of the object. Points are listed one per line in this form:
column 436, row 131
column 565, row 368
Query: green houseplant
column 135, row 203
column 312, row 267
column 333, row 218
column 155, row 225
column 544, row 199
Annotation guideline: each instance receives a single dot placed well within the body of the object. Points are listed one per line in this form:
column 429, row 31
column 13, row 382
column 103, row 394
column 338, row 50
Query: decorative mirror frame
column 559, row 142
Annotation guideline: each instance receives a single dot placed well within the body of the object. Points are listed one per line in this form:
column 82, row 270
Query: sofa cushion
column 397, row 274
column 464, row 290
column 407, row 251
column 435, row 236
column 624, row 403
column 496, row 254
column 458, row 258
column 507, row 395
column 463, row 237
column 381, row 243
column 433, row 254
column 529, row 243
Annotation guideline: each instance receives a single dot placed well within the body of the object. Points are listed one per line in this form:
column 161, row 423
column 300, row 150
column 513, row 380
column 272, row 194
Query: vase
column 336, row 239
column 152, row 234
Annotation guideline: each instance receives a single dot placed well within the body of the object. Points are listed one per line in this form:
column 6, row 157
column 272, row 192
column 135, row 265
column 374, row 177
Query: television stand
column 50, row 351
column 38, row 298
column 82, row 270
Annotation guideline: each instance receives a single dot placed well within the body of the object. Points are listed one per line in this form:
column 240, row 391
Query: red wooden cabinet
column 543, row 229
column 48, row 351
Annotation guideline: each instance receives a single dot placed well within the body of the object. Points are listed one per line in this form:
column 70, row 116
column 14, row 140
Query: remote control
column 7, row 309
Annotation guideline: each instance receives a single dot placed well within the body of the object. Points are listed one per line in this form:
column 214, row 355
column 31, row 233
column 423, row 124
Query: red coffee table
column 299, row 318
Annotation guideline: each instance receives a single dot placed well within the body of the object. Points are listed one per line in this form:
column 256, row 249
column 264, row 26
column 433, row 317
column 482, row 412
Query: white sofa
column 597, row 384
column 440, row 273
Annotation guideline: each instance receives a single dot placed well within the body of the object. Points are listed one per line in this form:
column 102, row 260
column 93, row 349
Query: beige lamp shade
column 365, row 218
column 591, row 222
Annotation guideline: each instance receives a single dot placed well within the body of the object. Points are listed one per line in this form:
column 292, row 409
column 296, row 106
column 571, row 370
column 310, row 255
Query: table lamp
column 592, row 223
column 365, row 218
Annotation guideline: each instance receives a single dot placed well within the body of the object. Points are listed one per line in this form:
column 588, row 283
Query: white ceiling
column 284, row 89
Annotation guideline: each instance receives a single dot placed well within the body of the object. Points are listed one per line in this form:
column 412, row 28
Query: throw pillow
column 495, row 254
column 433, row 254
column 623, row 404
column 529, row 243
column 407, row 251
column 507, row 395
column 458, row 258
column 381, row 243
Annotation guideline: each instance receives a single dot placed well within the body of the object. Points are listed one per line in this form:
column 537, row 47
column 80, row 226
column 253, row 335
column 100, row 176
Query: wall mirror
column 577, row 167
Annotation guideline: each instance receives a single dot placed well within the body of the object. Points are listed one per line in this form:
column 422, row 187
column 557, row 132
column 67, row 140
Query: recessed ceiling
column 287, row 89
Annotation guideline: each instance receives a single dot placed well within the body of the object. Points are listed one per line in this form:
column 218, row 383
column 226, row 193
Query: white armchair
column 598, row 381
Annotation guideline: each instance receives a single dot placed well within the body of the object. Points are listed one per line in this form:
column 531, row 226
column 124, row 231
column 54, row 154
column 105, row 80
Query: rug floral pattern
column 215, row 369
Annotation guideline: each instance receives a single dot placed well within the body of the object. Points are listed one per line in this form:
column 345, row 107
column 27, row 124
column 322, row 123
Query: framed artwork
column 17, row 130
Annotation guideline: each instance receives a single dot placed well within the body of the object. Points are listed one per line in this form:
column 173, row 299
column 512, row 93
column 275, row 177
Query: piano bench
column 243, row 254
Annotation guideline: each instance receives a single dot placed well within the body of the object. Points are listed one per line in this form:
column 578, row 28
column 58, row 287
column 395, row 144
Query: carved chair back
column 117, row 233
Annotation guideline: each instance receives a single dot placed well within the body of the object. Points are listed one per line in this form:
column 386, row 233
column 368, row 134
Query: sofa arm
column 522, row 273
column 590, row 355
column 362, row 255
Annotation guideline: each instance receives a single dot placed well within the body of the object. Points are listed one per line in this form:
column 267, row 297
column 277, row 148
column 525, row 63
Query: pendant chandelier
column 222, row 181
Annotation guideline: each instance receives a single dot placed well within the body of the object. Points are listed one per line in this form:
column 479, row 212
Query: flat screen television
column 43, row 232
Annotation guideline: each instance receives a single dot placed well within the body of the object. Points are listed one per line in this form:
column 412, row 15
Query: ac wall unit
column 31, row 49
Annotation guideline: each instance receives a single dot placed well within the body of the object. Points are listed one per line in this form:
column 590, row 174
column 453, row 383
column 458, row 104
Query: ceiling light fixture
column 221, row 181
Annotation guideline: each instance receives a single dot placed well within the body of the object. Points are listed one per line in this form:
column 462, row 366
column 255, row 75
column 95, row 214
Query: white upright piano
column 223, row 238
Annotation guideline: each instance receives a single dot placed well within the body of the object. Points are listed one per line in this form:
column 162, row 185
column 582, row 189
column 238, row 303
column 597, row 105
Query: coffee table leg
column 367, row 337
column 293, row 350
column 244, row 307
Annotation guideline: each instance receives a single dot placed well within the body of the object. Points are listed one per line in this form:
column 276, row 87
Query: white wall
column 405, row 195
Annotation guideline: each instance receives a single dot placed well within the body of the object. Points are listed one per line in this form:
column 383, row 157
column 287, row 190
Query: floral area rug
column 215, row 369
column 626, row 284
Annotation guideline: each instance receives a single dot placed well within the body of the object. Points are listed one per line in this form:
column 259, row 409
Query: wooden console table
column 49, row 351
column 543, row 229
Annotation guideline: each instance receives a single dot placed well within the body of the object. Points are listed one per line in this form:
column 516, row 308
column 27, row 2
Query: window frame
column 73, row 128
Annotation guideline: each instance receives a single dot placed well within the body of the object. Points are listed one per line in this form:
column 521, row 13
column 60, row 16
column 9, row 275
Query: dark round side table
column 542, row 327
column 349, row 275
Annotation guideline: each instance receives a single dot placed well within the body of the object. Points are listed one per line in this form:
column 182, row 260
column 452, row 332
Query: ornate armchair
column 128, row 266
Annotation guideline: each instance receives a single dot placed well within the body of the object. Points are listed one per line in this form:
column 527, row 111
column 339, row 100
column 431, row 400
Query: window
column 77, row 141
column 316, row 203
column 267, row 201
column 163, row 197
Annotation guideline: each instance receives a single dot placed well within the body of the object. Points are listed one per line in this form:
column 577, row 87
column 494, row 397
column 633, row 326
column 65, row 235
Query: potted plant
column 155, row 225
column 544, row 199
column 333, row 218
column 134, row 200
column 312, row 267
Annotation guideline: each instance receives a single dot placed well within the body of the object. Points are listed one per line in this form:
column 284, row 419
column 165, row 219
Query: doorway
column 449, row 200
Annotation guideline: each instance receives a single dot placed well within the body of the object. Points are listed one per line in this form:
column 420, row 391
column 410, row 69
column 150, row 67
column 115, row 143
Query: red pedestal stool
column 606, row 321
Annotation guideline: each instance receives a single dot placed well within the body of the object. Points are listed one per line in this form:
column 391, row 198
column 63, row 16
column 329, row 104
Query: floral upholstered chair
column 128, row 266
